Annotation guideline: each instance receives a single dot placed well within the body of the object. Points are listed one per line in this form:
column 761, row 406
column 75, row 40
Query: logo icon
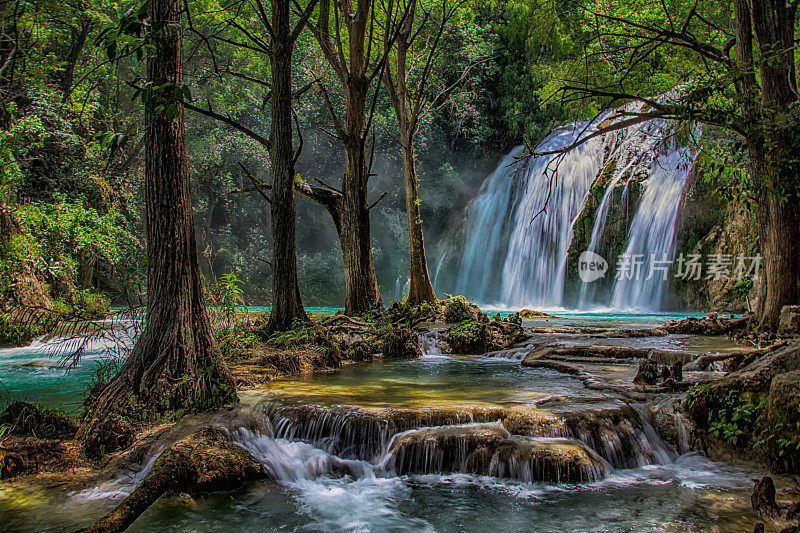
column 591, row 267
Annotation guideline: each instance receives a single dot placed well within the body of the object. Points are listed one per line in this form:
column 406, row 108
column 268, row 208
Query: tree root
column 206, row 461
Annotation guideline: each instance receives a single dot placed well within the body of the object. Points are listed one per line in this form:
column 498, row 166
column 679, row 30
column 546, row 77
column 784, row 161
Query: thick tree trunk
column 286, row 303
column 176, row 363
column 773, row 144
column 361, row 283
column 778, row 226
column 421, row 289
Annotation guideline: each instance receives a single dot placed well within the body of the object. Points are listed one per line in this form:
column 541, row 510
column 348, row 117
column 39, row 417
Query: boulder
column 784, row 400
column 790, row 320
column 647, row 374
column 489, row 449
column 763, row 497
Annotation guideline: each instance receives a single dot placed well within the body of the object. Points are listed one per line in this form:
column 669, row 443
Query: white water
column 520, row 225
column 535, row 268
column 652, row 232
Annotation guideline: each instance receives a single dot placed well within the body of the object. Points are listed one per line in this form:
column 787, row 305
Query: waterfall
column 438, row 268
column 652, row 233
column 534, row 272
column 520, row 225
column 401, row 289
column 487, row 229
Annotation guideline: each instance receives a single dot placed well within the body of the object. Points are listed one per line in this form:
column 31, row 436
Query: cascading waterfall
column 634, row 149
column 489, row 223
column 520, row 226
column 652, row 235
column 534, row 272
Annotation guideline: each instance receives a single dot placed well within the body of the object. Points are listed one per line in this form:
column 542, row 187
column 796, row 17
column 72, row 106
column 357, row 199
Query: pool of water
column 693, row 494
column 432, row 381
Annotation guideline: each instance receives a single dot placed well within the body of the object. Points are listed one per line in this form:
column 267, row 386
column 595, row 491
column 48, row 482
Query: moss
column 457, row 309
column 467, row 337
column 401, row 343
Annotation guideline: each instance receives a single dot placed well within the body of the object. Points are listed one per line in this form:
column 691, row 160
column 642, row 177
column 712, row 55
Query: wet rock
column 530, row 313
column 602, row 351
column 647, row 374
column 489, row 449
column 206, row 461
column 712, row 324
column 790, row 320
column 784, row 399
column 763, row 497
column 676, row 371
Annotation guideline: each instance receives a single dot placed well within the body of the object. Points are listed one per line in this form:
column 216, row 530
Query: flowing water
column 521, row 224
column 441, row 443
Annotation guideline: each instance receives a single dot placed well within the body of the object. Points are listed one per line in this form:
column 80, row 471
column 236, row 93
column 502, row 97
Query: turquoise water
column 38, row 373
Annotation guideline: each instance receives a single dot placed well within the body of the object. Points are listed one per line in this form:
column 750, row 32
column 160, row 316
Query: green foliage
column 456, row 309
column 235, row 341
column 400, row 343
column 740, row 290
column 27, row 419
column 19, row 334
column 69, row 233
column 733, row 417
column 229, row 296
column 16, row 143
column 467, row 337
column 302, row 335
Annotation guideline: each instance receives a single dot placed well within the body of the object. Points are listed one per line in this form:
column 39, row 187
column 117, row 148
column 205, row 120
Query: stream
column 408, row 446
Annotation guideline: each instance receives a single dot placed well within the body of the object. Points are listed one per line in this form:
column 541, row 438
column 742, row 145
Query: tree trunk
column 778, row 225
column 286, row 303
column 773, row 145
column 68, row 76
column 176, row 363
column 421, row 289
column 361, row 283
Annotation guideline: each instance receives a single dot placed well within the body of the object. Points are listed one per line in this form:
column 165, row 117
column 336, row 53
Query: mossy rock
column 472, row 337
column 401, row 343
column 758, row 406
column 647, row 374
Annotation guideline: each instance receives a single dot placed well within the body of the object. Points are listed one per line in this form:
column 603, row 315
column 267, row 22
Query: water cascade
column 652, row 233
column 521, row 225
